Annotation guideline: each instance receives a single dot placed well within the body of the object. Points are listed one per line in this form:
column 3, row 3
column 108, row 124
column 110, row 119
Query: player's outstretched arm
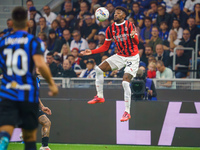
column 86, row 52
column 45, row 72
column 102, row 48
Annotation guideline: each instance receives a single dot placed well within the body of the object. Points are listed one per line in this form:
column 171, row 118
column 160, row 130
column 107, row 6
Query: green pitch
column 19, row 146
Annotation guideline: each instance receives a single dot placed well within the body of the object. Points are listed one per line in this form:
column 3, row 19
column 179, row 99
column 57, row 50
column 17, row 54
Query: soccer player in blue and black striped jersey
column 20, row 52
column 43, row 119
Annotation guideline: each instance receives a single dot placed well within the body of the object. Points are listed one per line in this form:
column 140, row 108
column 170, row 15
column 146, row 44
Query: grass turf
column 19, row 146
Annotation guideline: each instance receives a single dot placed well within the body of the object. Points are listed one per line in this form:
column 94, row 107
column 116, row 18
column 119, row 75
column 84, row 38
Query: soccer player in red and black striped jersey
column 126, row 39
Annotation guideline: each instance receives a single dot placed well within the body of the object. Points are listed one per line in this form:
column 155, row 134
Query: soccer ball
column 102, row 14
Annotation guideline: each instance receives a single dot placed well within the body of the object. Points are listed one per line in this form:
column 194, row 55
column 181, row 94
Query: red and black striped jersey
column 126, row 45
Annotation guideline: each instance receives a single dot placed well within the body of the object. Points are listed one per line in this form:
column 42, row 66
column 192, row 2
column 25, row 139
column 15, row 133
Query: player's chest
column 120, row 33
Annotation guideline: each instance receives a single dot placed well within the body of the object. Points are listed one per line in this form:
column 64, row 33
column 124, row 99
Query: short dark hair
column 136, row 4
column 176, row 20
column 66, row 30
column 19, row 17
column 163, row 22
column 55, row 20
column 70, row 55
column 9, row 19
column 50, row 54
column 122, row 8
column 43, row 18
column 162, row 7
column 29, row 1
column 154, row 2
column 186, row 30
column 191, row 18
column 110, row 3
column 148, row 18
column 155, row 27
column 149, row 46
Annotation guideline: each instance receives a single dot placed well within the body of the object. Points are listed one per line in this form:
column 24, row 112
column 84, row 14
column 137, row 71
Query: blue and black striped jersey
column 16, row 62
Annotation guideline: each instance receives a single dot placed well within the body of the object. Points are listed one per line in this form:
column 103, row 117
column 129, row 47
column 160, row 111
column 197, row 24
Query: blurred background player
column 20, row 52
column 43, row 119
column 126, row 39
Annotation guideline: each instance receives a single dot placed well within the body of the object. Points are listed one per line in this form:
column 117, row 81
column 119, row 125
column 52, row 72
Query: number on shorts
column 129, row 63
column 12, row 61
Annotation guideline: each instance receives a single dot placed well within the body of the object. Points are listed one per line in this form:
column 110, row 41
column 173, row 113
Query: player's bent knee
column 48, row 123
column 98, row 70
column 127, row 77
column 44, row 120
column 104, row 66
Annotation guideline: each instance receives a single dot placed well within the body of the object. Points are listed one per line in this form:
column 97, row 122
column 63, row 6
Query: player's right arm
column 45, row 72
column 133, row 33
column 102, row 48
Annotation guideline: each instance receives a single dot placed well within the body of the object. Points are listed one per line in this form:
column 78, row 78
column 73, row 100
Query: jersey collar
column 119, row 23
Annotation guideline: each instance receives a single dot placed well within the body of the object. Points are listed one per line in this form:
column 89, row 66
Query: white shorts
column 131, row 63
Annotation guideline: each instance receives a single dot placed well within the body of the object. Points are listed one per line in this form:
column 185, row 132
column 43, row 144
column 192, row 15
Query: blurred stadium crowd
column 162, row 25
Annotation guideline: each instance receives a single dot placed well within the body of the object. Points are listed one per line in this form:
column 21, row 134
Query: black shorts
column 21, row 114
column 40, row 113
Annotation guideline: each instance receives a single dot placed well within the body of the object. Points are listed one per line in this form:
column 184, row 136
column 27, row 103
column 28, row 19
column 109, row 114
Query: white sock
column 99, row 82
column 127, row 95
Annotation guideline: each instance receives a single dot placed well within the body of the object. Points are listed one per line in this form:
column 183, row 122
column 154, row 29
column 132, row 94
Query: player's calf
column 46, row 125
column 29, row 137
column 5, row 134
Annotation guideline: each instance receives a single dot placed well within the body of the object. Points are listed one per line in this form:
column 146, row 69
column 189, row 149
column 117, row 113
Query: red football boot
column 96, row 100
column 126, row 116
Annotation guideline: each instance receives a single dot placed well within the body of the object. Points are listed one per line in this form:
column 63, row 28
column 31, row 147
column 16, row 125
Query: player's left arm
column 43, row 108
column 134, row 34
column 40, row 103
column 102, row 48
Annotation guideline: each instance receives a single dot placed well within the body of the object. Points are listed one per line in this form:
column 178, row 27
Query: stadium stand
column 79, row 15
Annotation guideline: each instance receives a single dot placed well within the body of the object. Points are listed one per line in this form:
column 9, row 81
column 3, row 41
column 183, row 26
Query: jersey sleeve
column 108, row 34
column 37, row 46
